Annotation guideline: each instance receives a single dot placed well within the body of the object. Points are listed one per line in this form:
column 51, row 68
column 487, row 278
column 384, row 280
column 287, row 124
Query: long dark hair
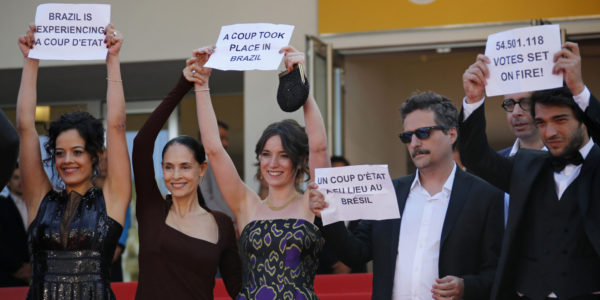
column 199, row 155
column 294, row 142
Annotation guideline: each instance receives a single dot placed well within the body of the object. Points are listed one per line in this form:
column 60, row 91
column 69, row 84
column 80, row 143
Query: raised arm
column 315, row 129
column 147, row 207
column 235, row 192
column 117, row 187
column 35, row 181
column 9, row 149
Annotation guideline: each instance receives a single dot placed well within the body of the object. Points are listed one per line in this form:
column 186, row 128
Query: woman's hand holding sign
column 316, row 199
column 27, row 41
column 195, row 70
column 113, row 40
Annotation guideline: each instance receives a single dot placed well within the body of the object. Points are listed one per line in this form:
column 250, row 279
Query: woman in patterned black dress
column 73, row 232
column 279, row 244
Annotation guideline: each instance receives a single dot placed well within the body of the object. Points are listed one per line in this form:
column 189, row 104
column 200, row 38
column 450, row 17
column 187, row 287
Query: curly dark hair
column 294, row 142
column 90, row 129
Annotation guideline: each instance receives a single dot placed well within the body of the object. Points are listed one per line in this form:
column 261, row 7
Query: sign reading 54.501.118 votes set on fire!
column 70, row 31
column 522, row 60
column 253, row 46
column 362, row 192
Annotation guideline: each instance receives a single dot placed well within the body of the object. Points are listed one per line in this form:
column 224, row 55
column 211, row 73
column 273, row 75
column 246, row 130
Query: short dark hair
column 557, row 97
column 339, row 159
column 199, row 155
column 445, row 113
column 89, row 128
column 294, row 142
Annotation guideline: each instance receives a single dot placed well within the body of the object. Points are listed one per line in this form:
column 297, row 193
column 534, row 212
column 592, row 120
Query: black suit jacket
column 470, row 238
column 13, row 243
column 516, row 176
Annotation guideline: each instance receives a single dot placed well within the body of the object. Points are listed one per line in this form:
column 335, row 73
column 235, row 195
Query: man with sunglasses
column 447, row 242
column 551, row 248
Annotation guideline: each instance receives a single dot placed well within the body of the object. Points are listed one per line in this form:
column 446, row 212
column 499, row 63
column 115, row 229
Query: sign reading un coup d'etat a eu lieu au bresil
column 521, row 60
column 253, row 46
column 362, row 192
column 70, row 31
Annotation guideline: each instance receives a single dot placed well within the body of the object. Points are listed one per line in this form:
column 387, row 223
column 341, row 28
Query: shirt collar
column 585, row 150
column 517, row 145
column 447, row 185
column 15, row 198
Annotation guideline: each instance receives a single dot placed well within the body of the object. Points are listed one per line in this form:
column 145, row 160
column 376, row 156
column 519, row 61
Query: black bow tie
column 560, row 162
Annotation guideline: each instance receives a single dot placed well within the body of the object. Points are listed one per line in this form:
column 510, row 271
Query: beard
column 575, row 143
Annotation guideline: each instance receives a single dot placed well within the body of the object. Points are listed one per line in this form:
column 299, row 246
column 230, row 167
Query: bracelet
column 202, row 90
column 113, row 80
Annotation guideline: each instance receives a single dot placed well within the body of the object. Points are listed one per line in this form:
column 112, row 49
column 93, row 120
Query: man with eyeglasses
column 517, row 107
column 551, row 248
column 447, row 242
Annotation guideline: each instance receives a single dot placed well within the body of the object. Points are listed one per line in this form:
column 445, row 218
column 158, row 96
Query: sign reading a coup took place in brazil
column 253, row 46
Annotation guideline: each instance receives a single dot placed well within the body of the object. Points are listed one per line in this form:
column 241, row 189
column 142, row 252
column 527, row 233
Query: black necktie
column 560, row 162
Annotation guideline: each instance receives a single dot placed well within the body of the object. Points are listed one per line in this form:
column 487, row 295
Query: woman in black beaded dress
column 73, row 232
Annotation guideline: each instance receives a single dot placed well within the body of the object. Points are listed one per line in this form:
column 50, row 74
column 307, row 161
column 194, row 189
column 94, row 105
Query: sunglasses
column 422, row 133
column 509, row 104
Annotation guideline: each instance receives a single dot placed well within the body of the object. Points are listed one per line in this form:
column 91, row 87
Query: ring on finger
column 115, row 33
column 194, row 72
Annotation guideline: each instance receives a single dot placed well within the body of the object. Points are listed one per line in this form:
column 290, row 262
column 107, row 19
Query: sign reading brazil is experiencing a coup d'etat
column 70, row 31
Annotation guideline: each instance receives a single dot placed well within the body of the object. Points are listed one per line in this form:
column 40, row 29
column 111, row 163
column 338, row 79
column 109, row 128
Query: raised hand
column 568, row 62
column 195, row 70
column 292, row 57
column 113, row 40
column 27, row 41
column 474, row 79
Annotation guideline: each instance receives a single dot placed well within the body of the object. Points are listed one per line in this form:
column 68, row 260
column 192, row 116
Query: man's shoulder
column 505, row 152
column 475, row 182
column 408, row 179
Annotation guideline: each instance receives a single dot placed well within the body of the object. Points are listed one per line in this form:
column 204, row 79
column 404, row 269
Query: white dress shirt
column 419, row 242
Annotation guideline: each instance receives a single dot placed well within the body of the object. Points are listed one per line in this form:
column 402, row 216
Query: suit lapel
column 458, row 197
column 402, row 189
column 582, row 191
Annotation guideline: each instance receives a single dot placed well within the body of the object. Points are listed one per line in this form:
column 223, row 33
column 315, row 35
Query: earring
column 201, row 180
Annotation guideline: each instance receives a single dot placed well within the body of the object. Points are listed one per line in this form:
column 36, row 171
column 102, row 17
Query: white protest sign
column 357, row 192
column 70, row 31
column 253, row 46
column 522, row 60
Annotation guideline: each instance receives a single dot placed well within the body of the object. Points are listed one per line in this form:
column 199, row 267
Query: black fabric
column 516, row 176
column 557, row 245
column 293, row 91
column 81, row 268
column 13, row 243
column 9, row 149
column 560, row 162
column 469, row 245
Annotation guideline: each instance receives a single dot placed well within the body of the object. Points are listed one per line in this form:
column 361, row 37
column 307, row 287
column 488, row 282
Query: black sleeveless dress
column 72, row 241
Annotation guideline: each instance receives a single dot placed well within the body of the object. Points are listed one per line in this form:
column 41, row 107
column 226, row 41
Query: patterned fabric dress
column 72, row 242
column 280, row 259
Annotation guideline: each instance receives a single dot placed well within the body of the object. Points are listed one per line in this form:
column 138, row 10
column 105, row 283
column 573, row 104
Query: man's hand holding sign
column 486, row 74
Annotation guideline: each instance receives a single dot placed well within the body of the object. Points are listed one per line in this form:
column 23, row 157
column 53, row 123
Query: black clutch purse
column 293, row 89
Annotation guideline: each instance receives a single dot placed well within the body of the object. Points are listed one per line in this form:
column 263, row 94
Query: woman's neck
column 80, row 189
column 182, row 206
column 280, row 195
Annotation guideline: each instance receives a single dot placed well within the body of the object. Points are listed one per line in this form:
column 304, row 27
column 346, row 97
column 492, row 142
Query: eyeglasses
column 509, row 104
column 422, row 133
